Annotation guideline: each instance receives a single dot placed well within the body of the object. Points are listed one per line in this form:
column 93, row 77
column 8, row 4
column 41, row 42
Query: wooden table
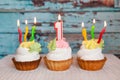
column 111, row 71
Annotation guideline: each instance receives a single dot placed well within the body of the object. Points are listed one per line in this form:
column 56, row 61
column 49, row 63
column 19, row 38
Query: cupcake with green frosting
column 27, row 56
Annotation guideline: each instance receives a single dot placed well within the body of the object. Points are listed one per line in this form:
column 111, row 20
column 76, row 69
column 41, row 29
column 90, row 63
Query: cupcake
column 90, row 55
column 27, row 56
column 59, row 57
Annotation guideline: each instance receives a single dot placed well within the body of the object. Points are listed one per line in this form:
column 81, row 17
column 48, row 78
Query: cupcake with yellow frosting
column 27, row 56
column 90, row 55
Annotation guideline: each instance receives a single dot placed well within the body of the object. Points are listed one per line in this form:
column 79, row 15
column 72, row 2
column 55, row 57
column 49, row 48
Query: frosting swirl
column 28, row 51
column 59, row 50
column 60, row 54
column 91, row 50
column 32, row 46
column 62, row 43
column 57, row 44
column 92, row 44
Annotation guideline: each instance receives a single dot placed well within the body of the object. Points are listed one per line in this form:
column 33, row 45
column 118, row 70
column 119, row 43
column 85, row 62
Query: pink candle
column 102, row 32
column 19, row 31
column 58, row 26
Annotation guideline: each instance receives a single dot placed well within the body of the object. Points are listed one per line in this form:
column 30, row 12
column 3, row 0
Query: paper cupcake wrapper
column 91, row 65
column 25, row 66
column 58, row 65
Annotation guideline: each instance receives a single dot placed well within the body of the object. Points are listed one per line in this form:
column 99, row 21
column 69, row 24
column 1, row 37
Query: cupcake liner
column 25, row 66
column 91, row 65
column 58, row 65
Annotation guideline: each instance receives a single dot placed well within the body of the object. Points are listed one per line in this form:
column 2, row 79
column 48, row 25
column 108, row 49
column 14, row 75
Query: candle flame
column 105, row 24
column 26, row 22
column 18, row 22
column 82, row 24
column 59, row 17
column 94, row 21
column 35, row 20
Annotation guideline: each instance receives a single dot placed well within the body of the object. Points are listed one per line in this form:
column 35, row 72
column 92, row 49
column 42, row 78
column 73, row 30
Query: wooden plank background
column 73, row 13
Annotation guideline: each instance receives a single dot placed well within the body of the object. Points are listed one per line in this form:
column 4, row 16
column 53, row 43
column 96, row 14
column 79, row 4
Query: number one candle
column 102, row 32
column 33, row 30
column 84, row 32
column 19, row 31
column 93, row 29
column 58, row 26
column 26, row 31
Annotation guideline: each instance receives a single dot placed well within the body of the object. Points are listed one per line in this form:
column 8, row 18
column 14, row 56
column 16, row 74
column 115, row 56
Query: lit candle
column 58, row 26
column 26, row 31
column 84, row 32
column 102, row 32
column 19, row 31
column 33, row 30
column 93, row 29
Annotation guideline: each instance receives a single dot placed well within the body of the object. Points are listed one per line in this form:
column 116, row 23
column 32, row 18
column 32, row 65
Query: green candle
column 33, row 33
column 33, row 30
column 93, row 30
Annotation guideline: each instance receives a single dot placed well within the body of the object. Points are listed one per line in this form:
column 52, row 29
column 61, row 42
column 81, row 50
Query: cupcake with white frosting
column 59, row 57
column 90, row 55
column 27, row 56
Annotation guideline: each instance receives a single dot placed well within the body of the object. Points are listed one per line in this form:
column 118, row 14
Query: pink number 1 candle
column 58, row 26
column 102, row 32
column 19, row 31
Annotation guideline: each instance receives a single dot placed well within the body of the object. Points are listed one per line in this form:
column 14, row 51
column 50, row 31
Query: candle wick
column 105, row 26
column 93, row 23
column 34, row 24
column 59, row 20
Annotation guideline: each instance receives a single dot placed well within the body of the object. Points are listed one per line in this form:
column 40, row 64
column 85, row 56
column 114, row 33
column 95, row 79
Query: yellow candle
column 26, row 31
column 84, row 32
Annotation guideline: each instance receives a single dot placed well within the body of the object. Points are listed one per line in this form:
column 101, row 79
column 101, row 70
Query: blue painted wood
column 50, row 5
column 72, row 21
